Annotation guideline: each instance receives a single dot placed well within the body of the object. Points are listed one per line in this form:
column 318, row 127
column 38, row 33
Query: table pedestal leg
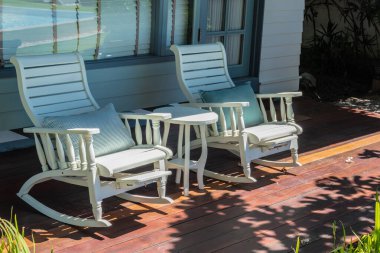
column 179, row 153
column 203, row 158
column 187, row 161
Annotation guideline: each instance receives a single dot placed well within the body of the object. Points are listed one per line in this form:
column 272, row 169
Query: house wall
column 141, row 86
column 281, row 45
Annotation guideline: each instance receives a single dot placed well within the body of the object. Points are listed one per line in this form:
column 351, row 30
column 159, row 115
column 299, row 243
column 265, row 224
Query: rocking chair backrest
column 53, row 85
column 201, row 67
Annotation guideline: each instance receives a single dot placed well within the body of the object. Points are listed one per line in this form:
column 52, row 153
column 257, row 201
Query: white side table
column 186, row 117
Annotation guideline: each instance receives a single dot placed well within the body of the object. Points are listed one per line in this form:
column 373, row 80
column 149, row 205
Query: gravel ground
column 370, row 103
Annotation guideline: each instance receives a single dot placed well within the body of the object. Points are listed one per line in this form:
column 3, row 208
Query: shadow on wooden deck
column 262, row 217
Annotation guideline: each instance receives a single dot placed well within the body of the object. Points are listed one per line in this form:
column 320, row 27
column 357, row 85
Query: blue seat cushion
column 113, row 136
column 242, row 93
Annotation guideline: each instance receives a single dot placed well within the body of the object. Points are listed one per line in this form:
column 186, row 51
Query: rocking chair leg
column 247, row 169
column 96, row 201
column 245, row 161
column 178, row 176
column 161, row 183
column 294, row 153
column 97, row 210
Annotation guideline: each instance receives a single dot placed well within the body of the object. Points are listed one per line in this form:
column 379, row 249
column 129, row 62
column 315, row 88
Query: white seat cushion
column 267, row 132
column 129, row 159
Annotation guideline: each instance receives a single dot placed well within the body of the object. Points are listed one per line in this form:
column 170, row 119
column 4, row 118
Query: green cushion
column 242, row 93
column 113, row 136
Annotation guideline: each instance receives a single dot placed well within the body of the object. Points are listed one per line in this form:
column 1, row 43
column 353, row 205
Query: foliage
column 342, row 47
column 369, row 243
column 11, row 240
column 366, row 243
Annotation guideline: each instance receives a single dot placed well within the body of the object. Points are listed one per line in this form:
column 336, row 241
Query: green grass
column 11, row 239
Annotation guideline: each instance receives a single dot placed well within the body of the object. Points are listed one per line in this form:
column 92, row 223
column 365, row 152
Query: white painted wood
column 279, row 62
column 202, row 65
column 138, row 132
column 282, row 108
column 40, row 153
column 70, row 152
column 148, row 133
column 191, row 116
column 281, row 45
column 206, row 81
column 82, row 153
column 47, row 60
column 186, row 117
column 51, row 158
column 145, row 199
column 292, row 15
column 186, row 167
column 263, row 110
column 272, row 110
column 283, row 27
column 202, row 57
column 141, row 177
column 58, row 86
column 280, row 51
column 60, row 152
column 285, row 73
column 49, row 70
column 180, row 151
column 203, row 158
column 222, row 120
column 233, row 121
column 55, row 89
column 209, row 86
column 55, row 79
column 275, row 86
column 60, row 98
column 275, row 5
column 156, row 133
column 54, row 108
column 237, row 138
column 204, row 73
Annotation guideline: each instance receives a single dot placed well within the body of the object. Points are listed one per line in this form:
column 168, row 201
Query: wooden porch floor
column 262, row 217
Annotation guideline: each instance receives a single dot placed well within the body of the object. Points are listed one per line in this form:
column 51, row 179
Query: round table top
column 189, row 115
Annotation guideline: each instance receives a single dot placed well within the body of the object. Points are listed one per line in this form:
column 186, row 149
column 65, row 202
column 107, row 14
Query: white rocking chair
column 56, row 85
column 204, row 68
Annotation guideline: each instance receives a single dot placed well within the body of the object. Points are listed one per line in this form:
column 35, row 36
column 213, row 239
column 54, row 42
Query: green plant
column 11, row 239
column 365, row 243
column 297, row 249
column 345, row 41
column 369, row 243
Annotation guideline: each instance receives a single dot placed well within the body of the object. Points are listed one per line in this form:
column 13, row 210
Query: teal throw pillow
column 242, row 93
column 113, row 136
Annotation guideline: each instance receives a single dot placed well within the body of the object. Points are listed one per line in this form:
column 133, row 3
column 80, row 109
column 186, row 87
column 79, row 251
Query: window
column 102, row 29
column 178, row 26
column 98, row 29
column 230, row 22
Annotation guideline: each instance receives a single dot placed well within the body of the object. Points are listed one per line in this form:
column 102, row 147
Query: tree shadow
column 242, row 223
column 368, row 153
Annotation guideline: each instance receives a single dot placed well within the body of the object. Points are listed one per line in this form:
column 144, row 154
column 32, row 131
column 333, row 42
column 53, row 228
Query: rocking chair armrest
column 149, row 116
column 280, row 94
column 224, row 104
column 85, row 131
